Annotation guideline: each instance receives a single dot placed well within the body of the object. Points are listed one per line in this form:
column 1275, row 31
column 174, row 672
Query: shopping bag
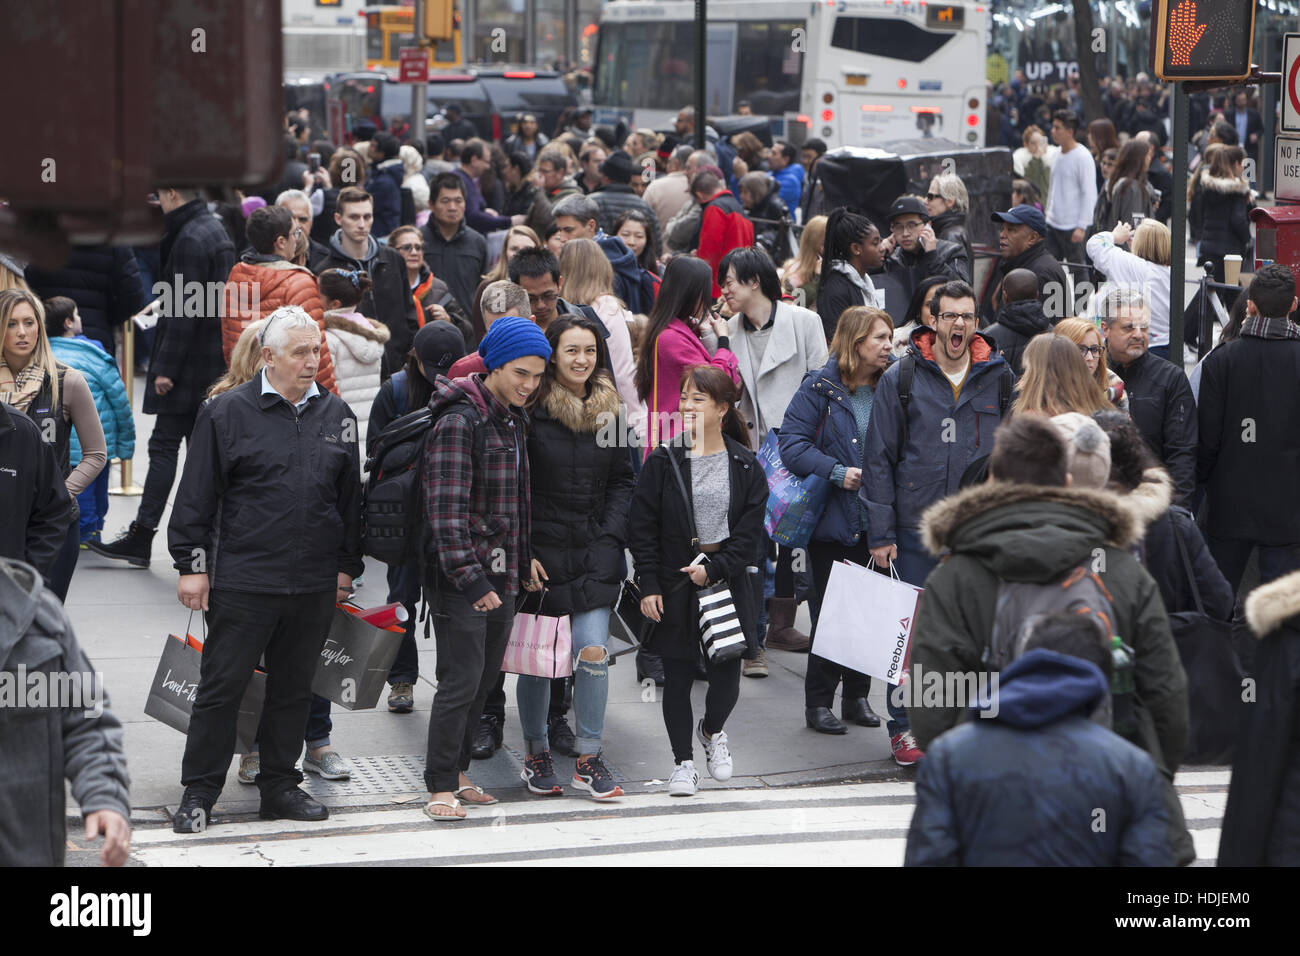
column 627, row 623
column 540, row 646
column 794, row 504
column 866, row 621
column 357, row 656
column 176, row 684
column 721, row 636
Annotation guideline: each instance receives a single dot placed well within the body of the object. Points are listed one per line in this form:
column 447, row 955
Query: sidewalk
column 122, row 615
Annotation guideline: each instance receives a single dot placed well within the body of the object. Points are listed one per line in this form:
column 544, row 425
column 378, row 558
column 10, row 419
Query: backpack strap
column 690, row 504
column 1004, row 391
column 1186, row 560
column 400, row 396
column 906, row 373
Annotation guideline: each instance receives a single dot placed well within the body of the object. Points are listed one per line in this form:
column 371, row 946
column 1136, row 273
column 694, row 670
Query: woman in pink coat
column 681, row 314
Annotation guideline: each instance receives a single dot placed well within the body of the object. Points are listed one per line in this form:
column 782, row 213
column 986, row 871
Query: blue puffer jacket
column 944, row 436
column 100, row 371
column 822, row 402
column 1022, row 784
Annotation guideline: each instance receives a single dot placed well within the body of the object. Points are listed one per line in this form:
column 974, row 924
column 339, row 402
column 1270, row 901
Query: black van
column 489, row 97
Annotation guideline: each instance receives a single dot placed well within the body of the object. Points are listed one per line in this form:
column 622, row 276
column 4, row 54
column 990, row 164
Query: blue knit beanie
column 512, row 337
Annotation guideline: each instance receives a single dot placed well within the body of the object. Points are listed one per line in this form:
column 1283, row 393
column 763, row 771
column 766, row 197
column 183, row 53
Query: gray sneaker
column 401, row 699
column 684, row 781
column 249, row 765
column 328, row 765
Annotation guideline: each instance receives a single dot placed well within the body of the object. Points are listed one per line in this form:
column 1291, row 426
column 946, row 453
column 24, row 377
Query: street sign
column 1286, row 168
column 1202, row 39
column 413, row 65
column 1290, row 84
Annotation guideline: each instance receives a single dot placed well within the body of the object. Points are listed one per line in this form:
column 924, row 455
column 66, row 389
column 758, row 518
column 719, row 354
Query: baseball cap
column 908, row 205
column 1023, row 215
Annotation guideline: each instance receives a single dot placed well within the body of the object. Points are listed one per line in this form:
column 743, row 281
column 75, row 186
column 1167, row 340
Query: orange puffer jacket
column 276, row 283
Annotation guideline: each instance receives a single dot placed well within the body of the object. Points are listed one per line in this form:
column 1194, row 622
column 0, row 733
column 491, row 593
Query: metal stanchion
column 127, row 488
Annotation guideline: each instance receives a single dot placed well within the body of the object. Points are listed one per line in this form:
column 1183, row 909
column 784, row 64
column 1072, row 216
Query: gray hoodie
column 43, row 743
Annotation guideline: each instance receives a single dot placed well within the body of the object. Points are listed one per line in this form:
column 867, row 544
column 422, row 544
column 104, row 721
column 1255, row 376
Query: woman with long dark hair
column 637, row 233
column 1126, row 191
column 681, row 545
column 852, row 248
column 581, row 486
column 672, row 342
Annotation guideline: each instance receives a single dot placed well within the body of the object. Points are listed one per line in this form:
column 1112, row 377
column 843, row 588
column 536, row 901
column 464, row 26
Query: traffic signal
column 438, row 19
column 1202, row 39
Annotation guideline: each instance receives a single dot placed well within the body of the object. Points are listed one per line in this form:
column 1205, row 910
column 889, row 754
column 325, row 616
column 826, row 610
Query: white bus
column 853, row 72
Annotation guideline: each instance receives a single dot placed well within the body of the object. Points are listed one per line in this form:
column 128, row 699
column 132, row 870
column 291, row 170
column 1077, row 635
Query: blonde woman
column 58, row 399
column 245, row 361
column 1145, row 268
column 413, row 179
column 1057, row 380
column 804, row 270
column 587, row 279
column 948, row 203
column 1087, row 337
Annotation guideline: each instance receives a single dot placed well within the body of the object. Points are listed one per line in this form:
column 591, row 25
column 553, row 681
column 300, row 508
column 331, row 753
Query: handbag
column 627, row 623
column 794, row 504
column 721, row 635
column 1214, row 675
column 357, row 655
column 540, row 645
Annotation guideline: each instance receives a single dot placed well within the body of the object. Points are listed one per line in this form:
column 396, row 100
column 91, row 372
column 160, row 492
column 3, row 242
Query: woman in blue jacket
column 71, row 347
column 824, row 433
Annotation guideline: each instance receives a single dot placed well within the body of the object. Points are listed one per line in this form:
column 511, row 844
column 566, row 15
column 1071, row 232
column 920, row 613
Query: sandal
column 479, row 790
column 443, row 817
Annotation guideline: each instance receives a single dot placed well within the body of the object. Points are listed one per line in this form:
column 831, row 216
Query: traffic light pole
column 1178, row 227
column 701, row 49
column 419, row 91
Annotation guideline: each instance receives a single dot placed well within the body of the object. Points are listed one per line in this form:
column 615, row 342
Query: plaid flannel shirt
column 476, row 492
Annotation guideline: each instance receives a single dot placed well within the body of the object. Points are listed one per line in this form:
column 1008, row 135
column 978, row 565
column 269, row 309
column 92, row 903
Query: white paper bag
column 866, row 621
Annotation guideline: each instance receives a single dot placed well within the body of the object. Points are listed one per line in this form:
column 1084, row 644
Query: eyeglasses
column 1129, row 329
column 912, row 226
column 933, row 196
column 261, row 336
column 411, row 247
column 550, row 298
column 966, row 317
column 1093, row 350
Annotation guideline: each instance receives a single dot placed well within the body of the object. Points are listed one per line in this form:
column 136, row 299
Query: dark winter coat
column 33, row 496
column 1163, row 408
column 385, row 186
column 581, row 490
column 530, row 202
column 187, row 348
column 772, row 233
column 104, row 281
column 270, row 500
column 835, row 293
column 1038, row 260
column 389, row 300
column 909, row 268
column 43, row 746
column 1162, row 181
column 1161, row 558
column 1015, row 324
column 1008, row 532
column 459, row 261
column 659, row 537
column 1220, row 213
column 1021, row 781
column 819, row 431
column 1249, row 391
column 951, row 227
column 1261, row 825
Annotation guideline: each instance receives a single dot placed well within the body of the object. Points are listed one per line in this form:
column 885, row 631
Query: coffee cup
column 1231, row 269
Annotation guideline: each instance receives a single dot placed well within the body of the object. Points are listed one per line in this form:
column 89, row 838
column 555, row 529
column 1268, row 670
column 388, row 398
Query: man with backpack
column 474, row 476
column 1027, row 543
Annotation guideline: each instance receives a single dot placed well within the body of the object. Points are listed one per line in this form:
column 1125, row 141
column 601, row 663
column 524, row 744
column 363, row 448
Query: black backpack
column 392, row 509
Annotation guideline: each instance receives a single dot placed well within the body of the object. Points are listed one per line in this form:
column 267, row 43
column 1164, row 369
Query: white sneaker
column 684, row 781
column 717, row 752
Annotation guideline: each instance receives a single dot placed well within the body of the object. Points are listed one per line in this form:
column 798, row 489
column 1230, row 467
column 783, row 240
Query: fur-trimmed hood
column 1271, row 605
column 1226, row 185
column 583, row 415
column 1149, row 500
column 373, row 331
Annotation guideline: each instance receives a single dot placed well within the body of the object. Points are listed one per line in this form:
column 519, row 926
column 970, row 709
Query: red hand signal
column 1184, row 33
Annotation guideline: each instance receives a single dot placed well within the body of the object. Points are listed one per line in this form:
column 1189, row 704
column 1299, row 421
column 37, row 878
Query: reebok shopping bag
column 866, row 621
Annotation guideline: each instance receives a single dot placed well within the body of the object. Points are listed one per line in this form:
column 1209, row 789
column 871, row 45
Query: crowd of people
column 523, row 297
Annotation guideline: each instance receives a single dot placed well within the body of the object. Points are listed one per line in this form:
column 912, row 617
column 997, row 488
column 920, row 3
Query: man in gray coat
column 54, row 723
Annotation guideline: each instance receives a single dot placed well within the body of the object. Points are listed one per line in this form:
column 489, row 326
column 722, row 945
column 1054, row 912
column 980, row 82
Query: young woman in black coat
column 581, row 485
column 728, row 494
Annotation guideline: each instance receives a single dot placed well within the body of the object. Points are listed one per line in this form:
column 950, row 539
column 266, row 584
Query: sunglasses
column 933, row 196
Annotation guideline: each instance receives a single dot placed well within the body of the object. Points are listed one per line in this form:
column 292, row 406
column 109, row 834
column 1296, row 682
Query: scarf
column 1260, row 327
column 859, row 280
column 20, row 389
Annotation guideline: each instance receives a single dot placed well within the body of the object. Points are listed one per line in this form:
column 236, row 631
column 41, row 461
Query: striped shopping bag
column 720, row 630
column 539, row 646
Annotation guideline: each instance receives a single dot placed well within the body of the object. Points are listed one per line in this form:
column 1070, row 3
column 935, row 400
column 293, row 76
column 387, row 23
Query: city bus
column 389, row 28
column 852, row 72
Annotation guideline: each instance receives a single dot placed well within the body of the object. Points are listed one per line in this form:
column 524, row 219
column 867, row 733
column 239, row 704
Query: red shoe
column 906, row 752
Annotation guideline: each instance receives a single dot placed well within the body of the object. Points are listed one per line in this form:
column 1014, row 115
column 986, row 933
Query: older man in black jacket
column 1160, row 397
column 1022, row 245
column 266, row 533
column 34, row 500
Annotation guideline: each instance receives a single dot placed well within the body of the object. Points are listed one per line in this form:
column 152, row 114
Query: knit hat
column 512, row 337
column 619, row 167
column 1087, row 449
column 438, row 345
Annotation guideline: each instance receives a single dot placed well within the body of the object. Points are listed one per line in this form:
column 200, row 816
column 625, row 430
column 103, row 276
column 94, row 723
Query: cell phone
column 699, row 559
column 313, row 162
column 1137, row 219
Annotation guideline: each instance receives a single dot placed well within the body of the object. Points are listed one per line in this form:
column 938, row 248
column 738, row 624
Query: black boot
column 649, row 665
column 132, row 546
column 487, row 739
column 857, row 710
column 193, row 815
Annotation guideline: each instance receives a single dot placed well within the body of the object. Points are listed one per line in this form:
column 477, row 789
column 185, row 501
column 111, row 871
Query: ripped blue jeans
column 590, row 688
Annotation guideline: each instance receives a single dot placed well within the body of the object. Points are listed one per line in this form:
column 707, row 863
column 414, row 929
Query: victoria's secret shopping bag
column 357, row 656
column 866, row 621
column 540, row 645
column 176, row 684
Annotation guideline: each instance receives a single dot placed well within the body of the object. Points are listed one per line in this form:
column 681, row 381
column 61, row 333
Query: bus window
column 887, row 37
column 646, row 64
column 770, row 70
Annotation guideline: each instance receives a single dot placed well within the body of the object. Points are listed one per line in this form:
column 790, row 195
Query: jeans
column 590, row 688
column 1232, row 555
column 471, row 645
column 93, row 502
column 404, row 586
column 290, row 630
column 719, row 702
column 164, row 452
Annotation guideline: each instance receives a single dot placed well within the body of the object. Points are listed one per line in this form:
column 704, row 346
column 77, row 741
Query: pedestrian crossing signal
column 1202, row 39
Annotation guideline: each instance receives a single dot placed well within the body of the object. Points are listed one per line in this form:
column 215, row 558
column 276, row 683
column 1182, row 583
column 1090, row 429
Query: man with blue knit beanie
column 476, row 500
